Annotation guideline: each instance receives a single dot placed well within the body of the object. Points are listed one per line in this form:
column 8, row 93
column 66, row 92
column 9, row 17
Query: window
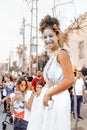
column 81, row 50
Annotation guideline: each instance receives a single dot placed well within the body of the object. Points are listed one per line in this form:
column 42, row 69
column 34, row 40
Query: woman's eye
column 50, row 36
column 44, row 37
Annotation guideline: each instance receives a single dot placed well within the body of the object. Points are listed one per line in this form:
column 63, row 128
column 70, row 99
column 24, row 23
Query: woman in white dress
column 52, row 111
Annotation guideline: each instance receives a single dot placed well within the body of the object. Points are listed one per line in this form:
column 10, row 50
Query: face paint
column 50, row 39
column 49, row 46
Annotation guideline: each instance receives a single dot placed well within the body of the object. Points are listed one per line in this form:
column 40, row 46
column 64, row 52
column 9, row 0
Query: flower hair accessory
column 56, row 28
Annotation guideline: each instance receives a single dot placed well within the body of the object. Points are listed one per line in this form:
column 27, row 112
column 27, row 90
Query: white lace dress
column 56, row 116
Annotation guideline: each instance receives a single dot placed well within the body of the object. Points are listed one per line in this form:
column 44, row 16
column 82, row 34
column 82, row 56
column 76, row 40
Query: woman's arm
column 28, row 104
column 11, row 104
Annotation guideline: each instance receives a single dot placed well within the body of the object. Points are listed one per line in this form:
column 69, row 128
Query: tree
column 21, row 53
column 14, row 66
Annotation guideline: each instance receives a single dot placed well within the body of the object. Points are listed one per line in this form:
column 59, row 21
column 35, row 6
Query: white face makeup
column 50, row 39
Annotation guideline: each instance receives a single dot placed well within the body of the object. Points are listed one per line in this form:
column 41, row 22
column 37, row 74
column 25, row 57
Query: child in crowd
column 35, row 96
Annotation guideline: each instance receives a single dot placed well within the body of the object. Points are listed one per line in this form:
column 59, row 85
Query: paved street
column 82, row 124
column 2, row 118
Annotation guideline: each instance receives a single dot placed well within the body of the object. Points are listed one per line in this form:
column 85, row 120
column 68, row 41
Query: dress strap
column 49, row 81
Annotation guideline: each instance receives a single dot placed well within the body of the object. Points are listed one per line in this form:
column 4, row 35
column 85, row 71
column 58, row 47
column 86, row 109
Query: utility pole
column 30, row 53
column 53, row 9
column 23, row 26
column 36, row 34
column 34, row 14
column 58, row 3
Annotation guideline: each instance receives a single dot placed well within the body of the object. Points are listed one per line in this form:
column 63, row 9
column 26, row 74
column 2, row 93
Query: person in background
column 19, row 105
column 84, row 70
column 58, row 74
column 35, row 97
column 80, row 90
column 39, row 87
column 29, row 79
column 9, row 87
column 85, row 81
column 3, row 94
column 39, row 77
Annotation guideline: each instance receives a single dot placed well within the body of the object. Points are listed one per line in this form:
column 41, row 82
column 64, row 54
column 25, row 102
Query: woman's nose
column 47, row 41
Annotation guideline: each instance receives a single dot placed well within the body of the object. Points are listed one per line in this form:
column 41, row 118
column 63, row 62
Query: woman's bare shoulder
column 62, row 55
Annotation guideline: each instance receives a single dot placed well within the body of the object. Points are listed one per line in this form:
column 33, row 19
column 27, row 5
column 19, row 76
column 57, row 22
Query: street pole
column 30, row 53
column 23, row 44
column 9, row 62
column 36, row 34
column 53, row 8
column 75, row 107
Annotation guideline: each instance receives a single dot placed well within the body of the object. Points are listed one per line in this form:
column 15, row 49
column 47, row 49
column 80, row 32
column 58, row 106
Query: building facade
column 78, row 41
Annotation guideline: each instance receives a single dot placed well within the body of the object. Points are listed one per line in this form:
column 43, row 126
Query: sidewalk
column 81, row 124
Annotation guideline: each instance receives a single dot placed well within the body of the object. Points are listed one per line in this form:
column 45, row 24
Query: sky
column 13, row 11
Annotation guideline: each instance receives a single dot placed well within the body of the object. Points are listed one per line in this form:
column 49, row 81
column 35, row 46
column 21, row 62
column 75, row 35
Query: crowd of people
column 43, row 102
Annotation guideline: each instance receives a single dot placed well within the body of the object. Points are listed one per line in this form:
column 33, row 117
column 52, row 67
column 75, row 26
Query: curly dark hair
column 48, row 21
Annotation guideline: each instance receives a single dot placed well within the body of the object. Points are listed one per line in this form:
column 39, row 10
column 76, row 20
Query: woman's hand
column 46, row 98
